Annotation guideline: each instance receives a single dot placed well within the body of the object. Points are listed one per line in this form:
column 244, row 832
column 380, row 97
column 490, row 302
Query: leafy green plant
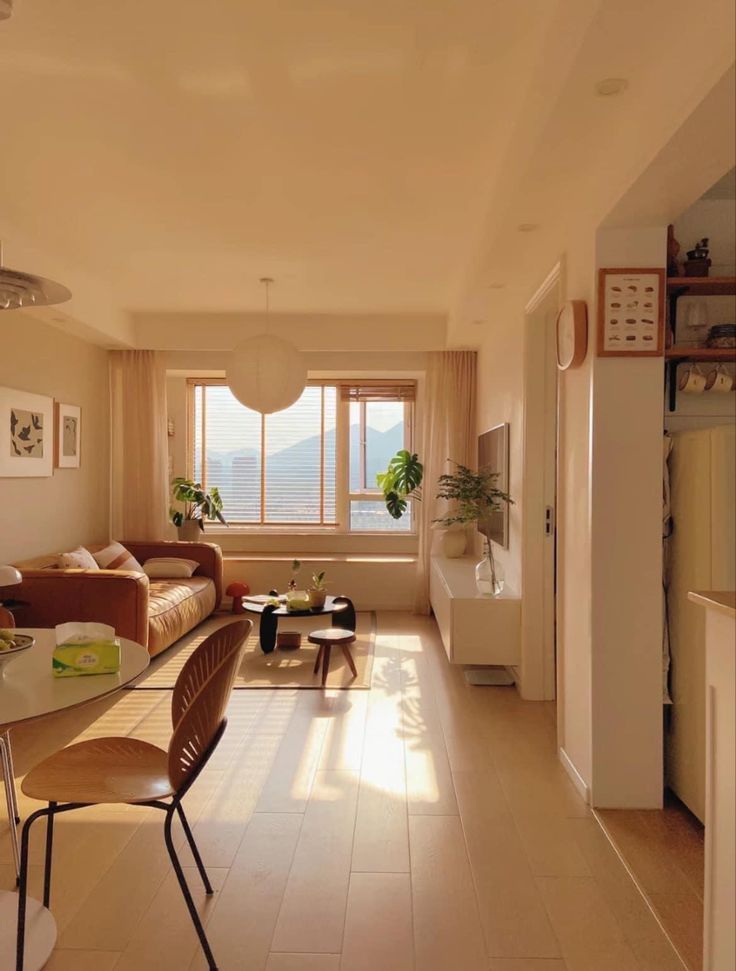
column 401, row 482
column 318, row 581
column 474, row 495
column 198, row 504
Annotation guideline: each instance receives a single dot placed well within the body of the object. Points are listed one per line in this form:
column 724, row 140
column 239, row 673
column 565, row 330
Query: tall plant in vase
column 474, row 498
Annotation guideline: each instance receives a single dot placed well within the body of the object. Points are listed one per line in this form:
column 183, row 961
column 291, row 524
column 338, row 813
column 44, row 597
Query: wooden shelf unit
column 684, row 353
column 693, row 286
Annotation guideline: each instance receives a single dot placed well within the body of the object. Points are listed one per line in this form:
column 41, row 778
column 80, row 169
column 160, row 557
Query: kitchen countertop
column 723, row 601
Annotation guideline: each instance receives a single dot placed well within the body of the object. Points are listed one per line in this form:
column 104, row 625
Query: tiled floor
column 665, row 851
column 421, row 826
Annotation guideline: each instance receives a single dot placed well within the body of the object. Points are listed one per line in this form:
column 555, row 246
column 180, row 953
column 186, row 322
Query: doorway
column 539, row 493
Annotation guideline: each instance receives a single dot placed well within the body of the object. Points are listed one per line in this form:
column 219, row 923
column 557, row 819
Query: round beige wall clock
column 572, row 334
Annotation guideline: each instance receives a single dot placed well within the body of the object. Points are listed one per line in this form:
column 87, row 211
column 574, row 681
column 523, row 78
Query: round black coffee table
column 341, row 607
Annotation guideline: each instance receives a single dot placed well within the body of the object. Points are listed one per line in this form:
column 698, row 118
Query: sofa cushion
column 78, row 559
column 169, row 567
column 114, row 556
column 175, row 607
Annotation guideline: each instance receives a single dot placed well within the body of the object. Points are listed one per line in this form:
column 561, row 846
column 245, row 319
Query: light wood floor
column 665, row 851
column 421, row 826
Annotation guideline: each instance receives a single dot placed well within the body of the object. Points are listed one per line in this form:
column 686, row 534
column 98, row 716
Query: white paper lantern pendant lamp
column 266, row 373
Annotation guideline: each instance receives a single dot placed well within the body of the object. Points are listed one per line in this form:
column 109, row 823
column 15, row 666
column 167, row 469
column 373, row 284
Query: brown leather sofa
column 154, row 613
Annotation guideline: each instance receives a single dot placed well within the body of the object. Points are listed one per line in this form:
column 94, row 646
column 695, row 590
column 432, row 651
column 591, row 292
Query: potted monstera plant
column 401, row 482
column 199, row 505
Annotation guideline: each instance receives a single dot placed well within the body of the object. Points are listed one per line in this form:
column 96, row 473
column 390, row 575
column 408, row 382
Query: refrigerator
column 701, row 555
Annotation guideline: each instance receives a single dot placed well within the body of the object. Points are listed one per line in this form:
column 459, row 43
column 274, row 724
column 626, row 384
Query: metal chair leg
column 186, row 893
column 49, row 851
column 11, row 772
column 195, row 852
column 23, row 887
column 9, row 783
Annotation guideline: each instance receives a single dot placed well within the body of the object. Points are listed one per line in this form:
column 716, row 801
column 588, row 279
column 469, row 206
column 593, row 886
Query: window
column 313, row 464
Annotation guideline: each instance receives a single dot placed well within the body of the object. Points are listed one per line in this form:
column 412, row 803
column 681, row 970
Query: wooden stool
column 325, row 639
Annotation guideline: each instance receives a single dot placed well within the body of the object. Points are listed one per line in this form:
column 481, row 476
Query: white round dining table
column 29, row 691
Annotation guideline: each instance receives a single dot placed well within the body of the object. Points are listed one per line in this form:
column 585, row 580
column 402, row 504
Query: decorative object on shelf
column 697, row 262
column 572, row 334
column 237, row 590
column 68, row 436
column 722, row 335
column 318, row 591
column 198, row 506
column 489, row 577
column 692, row 380
column 401, row 482
column 674, row 267
column 26, row 434
column 295, row 568
column 475, row 498
column 696, row 322
column 454, row 541
column 719, row 380
column 19, row 290
column 266, row 373
column 631, row 312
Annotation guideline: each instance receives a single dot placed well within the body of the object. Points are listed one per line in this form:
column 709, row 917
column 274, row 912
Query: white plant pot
column 189, row 531
column 454, row 542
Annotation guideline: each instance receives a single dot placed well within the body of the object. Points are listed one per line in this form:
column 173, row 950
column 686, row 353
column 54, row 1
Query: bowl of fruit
column 11, row 645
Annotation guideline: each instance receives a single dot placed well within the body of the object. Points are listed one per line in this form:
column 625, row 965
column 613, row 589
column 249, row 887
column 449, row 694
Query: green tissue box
column 71, row 660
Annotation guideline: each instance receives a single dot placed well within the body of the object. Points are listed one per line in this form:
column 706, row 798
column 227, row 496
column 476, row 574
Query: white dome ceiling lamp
column 266, row 373
column 20, row 290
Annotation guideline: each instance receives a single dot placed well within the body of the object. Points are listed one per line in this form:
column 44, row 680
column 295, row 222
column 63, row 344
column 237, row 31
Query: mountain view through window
column 281, row 469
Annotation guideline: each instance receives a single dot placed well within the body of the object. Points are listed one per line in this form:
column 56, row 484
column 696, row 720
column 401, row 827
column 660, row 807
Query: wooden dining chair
column 130, row 770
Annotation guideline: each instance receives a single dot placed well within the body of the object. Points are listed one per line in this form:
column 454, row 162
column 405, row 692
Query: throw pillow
column 169, row 567
column 116, row 557
column 78, row 559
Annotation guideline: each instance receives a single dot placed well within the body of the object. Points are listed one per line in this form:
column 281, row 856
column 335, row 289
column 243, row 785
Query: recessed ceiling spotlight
column 527, row 227
column 496, row 286
column 6, row 9
column 478, row 323
column 609, row 86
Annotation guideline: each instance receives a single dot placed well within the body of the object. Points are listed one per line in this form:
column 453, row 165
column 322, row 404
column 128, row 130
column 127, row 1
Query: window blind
column 378, row 391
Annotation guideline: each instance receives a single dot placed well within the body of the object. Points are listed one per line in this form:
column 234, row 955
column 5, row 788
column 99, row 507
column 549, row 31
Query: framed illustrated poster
column 631, row 312
column 26, row 434
column 68, row 436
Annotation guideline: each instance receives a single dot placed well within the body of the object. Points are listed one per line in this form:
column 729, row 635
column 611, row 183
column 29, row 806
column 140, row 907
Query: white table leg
column 10, row 797
column 40, row 932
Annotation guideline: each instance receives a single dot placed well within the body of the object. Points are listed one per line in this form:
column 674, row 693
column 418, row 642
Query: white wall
column 42, row 515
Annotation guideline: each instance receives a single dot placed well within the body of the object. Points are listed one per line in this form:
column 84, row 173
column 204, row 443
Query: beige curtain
column 448, row 435
column 139, row 466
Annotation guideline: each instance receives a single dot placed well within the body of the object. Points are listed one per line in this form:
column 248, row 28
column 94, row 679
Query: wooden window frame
column 343, row 495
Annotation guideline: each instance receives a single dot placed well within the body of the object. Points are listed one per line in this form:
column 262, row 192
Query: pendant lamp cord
column 267, row 281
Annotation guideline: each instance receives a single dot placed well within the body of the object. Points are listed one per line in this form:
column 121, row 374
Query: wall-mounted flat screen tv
column 493, row 456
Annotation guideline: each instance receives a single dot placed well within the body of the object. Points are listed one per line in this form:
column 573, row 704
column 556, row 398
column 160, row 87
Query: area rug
column 280, row 669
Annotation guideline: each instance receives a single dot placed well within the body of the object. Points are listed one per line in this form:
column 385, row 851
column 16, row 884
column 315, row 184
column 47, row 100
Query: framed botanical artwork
column 68, row 436
column 26, row 434
column 631, row 312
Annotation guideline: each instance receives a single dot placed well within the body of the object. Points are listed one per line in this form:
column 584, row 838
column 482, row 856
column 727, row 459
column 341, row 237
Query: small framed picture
column 631, row 312
column 26, row 434
column 68, row 436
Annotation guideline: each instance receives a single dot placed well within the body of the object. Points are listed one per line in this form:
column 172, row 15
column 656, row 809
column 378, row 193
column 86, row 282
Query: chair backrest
column 6, row 618
column 200, row 698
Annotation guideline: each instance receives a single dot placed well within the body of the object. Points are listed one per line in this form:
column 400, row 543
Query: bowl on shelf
column 722, row 335
column 11, row 645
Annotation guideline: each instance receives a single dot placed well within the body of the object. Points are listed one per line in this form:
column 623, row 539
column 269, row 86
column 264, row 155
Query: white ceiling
column 375, row 156
column 179, row 150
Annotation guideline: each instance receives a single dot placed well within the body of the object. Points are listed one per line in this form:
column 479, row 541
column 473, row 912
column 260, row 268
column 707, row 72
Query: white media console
column 474, row 629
